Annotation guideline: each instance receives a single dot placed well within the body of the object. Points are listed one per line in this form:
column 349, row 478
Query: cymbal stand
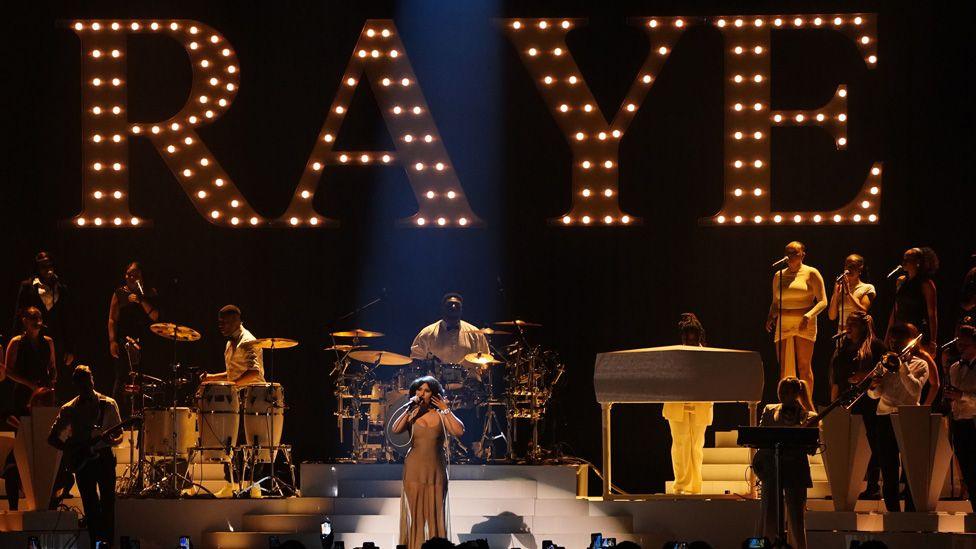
column 488, row 436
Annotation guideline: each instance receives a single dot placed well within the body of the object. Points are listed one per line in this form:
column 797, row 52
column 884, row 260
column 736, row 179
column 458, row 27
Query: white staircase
column 725, row 469
column 505, row 510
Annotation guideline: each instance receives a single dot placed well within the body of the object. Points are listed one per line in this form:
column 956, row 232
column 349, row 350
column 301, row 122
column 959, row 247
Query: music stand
column 776, row 439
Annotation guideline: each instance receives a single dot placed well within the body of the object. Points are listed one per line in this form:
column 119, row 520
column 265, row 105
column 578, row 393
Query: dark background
column 594, row 289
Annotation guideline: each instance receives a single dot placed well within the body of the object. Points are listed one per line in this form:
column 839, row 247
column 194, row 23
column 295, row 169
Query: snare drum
column 264, row 417
column 219, row 406
column 158, row 428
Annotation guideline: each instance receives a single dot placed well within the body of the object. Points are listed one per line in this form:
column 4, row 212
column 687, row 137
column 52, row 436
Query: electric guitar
column 79, row 454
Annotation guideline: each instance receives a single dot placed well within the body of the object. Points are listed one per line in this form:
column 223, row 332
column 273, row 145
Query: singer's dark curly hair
column 688, row 322
column 435, row 386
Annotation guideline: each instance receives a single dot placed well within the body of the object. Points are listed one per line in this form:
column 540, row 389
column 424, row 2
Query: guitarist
column 80, row 420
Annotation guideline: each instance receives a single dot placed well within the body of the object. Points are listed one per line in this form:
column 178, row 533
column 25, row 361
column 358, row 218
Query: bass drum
column 219, row 407
column 264, row 417
column 393, row 401
column 158, row 429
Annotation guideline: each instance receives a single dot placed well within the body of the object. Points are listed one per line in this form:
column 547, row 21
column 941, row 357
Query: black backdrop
column 594, row 289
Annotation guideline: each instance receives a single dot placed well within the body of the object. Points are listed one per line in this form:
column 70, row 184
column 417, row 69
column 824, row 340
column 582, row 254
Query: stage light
column 737, row 192
column 306, row 195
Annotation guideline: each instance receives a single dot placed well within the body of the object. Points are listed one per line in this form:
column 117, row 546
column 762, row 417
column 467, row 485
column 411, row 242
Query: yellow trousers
column 687, row 444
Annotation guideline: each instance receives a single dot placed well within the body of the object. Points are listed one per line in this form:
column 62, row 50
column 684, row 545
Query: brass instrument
column 890, row 362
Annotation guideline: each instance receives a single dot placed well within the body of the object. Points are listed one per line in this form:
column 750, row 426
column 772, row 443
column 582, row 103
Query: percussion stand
column 276, row 483
column 175, row 476
column 491, row 421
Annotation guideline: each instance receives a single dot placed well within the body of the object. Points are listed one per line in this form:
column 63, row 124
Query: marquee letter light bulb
column 747, row 52
column 582, row 116
column 177, row 130
column 405, row 112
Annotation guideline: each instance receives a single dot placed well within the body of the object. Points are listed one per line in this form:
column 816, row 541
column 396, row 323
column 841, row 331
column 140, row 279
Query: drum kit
column 515, row 382
column 190, row 431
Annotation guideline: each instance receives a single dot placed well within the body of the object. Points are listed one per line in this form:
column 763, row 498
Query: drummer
column 243, row 364
column 450, row 338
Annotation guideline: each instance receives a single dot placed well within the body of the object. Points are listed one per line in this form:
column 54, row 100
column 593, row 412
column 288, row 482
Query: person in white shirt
column 243, row 364
column 850, row 293
column 894, row 389
column 688, row 422
column 450, row 338
column 961, row 392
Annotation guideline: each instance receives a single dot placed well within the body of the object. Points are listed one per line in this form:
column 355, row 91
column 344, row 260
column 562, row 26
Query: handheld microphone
column 839, row 335
column 142, row 293
column 785, row 259
column 895, row 271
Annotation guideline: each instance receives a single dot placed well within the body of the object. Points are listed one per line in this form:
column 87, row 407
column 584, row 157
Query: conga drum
column 264, row 418
column 219, row 408
column 159, row 429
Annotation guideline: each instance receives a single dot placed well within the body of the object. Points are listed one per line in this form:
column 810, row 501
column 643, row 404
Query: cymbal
column 518, row 322
column 344, row 348
column 356, row 332
column 272, row 343
column 174, row 331
column 385, row 358
column 491, row 332
column 481, row 359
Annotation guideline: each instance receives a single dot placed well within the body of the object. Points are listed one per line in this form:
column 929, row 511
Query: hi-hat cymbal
column 517, row 322
column 344, row 348
column 357, row 333
column 491, row 332
column 383, row 358
column 272, row 343
column 481, row 359
column 174, row 331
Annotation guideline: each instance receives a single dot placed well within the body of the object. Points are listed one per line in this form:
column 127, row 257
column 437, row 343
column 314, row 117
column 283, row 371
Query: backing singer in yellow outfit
column 688, row 421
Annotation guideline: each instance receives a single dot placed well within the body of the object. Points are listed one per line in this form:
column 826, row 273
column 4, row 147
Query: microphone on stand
column 842, row 275
column 785, row 259
column 895, row 271
column 949, row 344
column 142, row 293
column 839, row 335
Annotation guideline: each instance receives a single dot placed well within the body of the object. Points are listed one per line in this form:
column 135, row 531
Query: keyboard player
column 688, row 421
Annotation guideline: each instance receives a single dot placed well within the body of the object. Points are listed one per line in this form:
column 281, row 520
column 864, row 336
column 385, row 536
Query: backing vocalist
column 799, row 294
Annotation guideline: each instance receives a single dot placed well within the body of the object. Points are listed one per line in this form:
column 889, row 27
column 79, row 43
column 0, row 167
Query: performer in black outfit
column 961, row 393
column 915, row 296
column 84, row 417
column 30, row 360
column 51, row 297
column 130, row 313
column 856, row 355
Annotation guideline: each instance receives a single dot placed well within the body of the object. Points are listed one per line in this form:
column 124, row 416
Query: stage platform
column 509, row 506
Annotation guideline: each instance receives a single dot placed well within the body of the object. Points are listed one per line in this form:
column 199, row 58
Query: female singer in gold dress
column 803, row 298
column 429, row 420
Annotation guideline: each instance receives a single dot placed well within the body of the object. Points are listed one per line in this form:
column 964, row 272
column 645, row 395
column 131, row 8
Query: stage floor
column 509, row 506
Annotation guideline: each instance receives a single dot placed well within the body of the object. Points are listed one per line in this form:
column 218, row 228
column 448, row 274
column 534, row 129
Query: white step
column 259, row 540
column 534, row 540
column 283, row 523
column 513, row 488
column 256, row 540
column 717, row 487
column 582, row 525
column 727, row 455
column 390, row 524
column 726, row 439
column 725, row 471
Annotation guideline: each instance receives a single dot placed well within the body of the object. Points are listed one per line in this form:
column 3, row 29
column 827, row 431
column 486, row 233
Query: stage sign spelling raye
column 380, row 59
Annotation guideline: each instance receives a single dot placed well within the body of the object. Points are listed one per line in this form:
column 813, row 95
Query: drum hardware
column 492, row 430
column 273, row 415
column 170, row 484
